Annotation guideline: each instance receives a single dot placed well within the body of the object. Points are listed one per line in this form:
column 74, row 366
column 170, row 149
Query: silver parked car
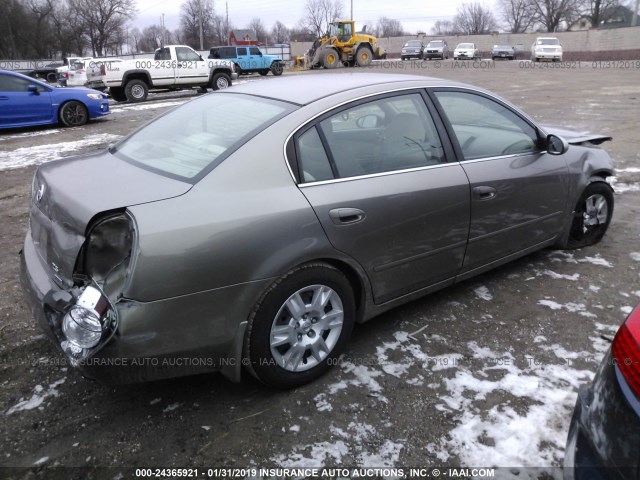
column 254, row 226
column 436, row 49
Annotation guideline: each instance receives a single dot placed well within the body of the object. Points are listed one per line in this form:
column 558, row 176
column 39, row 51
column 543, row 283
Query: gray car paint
column 205, row 255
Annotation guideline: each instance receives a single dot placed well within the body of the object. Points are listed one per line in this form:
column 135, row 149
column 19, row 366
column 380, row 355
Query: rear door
column 377, row 176
column 519, row 193
column 19, row 106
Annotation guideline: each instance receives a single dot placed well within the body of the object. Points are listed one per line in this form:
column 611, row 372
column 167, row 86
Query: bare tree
column 135, row 35
column 601, row 10
column 517, row 14
column 152, row 38
column 259, row 29
column 474, row 18
column 197, row 15
column 279, row 33
column 551, row 13
column 103, row 19
column 389, row 27
column 318, row 14
column 442, row 27
column 221, row 30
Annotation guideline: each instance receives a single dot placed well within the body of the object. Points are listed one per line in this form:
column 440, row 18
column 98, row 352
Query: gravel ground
column 482, row 374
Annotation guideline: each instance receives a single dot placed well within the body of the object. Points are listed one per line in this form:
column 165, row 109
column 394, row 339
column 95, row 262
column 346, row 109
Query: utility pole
column 634, row 19
column 201, row 39
column 162, row 30
column 226, row 25
column 351, row 9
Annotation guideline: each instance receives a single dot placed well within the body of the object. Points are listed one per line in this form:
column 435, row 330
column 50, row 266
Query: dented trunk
column 68, row 194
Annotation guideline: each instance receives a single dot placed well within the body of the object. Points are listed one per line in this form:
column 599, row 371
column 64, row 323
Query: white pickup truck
column 173, row 67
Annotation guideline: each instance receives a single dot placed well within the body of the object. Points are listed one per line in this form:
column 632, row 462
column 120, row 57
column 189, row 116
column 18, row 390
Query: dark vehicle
column 249, row 60
column 25, row 102
column 503, row 51
column 48, row 73
column 436, row 49
column 604, row 436
column 256, row 225
column 412, row 49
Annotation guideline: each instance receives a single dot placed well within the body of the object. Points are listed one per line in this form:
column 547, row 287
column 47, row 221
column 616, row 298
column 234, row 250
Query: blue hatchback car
column 25, row 101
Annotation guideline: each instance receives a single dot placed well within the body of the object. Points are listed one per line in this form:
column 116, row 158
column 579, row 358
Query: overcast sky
column 415, row 15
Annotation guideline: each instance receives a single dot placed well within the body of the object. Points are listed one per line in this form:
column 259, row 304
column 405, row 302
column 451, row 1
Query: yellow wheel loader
column 343, row 45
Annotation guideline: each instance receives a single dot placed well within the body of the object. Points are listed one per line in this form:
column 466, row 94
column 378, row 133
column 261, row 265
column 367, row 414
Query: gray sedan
column 254, row 226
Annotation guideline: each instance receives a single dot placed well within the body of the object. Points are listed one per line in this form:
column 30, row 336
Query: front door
column 21, row 107
column 519, row 193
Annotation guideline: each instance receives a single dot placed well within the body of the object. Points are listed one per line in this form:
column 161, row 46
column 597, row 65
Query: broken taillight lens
column 626, row 350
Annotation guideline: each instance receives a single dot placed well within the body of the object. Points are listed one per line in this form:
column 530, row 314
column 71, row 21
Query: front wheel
column 330, row 59
column 364, row 56
column 220, row 81
column 592, row 216
column 73, row 114
column 277, row 68
column 300, row 326
column 264, row 73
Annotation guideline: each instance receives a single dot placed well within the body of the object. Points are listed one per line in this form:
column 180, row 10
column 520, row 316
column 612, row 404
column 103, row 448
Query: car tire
column 277, row 68
column 330, row 59
column 136, row 91
column 364, row 56
column 73, row 114
column 117, row 93
column 264, row 73
column 300, row 326
column 591, row 217
column 220, row 81
column 52, row 77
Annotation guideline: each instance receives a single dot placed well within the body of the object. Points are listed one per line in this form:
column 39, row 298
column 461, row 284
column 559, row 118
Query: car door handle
column 346, row 216
column 484, row 193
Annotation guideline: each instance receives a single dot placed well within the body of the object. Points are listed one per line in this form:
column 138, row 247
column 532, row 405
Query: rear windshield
column 189, row 141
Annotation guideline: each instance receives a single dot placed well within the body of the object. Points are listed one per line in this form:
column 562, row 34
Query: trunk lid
column 68, row 193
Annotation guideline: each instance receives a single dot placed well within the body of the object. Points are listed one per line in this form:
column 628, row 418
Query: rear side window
column 242, row 52
column 315, row 165
column 163, row 54
column 383, row 135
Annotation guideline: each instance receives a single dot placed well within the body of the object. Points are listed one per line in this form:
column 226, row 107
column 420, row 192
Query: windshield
column 465, row 45
column 435, row 43
column 413, row 43
column 548, row 41
column 192, row 139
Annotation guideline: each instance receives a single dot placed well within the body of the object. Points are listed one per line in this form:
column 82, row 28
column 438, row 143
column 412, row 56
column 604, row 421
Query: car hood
column 574, row 137
column 69, row 193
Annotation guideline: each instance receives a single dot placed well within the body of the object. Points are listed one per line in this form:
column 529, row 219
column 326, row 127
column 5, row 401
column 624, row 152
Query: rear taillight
column 103, row 70
column 626, row 350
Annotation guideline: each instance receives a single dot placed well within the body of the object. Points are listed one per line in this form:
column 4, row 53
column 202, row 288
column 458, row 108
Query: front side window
column 186, row 55
column 187, row 141
column 9, row 83
column 254, row 51
column 384, row 135
column 486, row 128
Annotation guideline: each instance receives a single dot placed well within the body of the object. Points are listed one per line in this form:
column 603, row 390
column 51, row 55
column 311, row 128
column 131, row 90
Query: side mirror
column 201, row 59
column 368, row 121
column 33, row 89
column 556, row 145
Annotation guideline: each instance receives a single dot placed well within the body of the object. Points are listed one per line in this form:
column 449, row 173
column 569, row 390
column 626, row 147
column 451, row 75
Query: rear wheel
column 364, row 57
column 220, row 81
column 301, row 325
column 330, row 59
column 136, row 91
column 73, row 114
column 264, row 73
column 592, row 216
column 52, row 77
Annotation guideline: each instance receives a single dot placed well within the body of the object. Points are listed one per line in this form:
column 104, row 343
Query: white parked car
column 466, row 51
column 546, row 48
column 63, row 71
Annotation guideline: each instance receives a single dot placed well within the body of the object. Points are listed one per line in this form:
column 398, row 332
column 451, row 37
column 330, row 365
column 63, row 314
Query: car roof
column 306, row 88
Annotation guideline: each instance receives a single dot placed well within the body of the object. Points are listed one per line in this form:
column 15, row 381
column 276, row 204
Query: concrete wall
column 611, row 44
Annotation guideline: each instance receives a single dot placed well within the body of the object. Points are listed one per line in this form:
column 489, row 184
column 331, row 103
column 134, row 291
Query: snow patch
column 597, row 260
column 579, row 308
column 25, row 156
column 37, row 398
column 483, row 293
